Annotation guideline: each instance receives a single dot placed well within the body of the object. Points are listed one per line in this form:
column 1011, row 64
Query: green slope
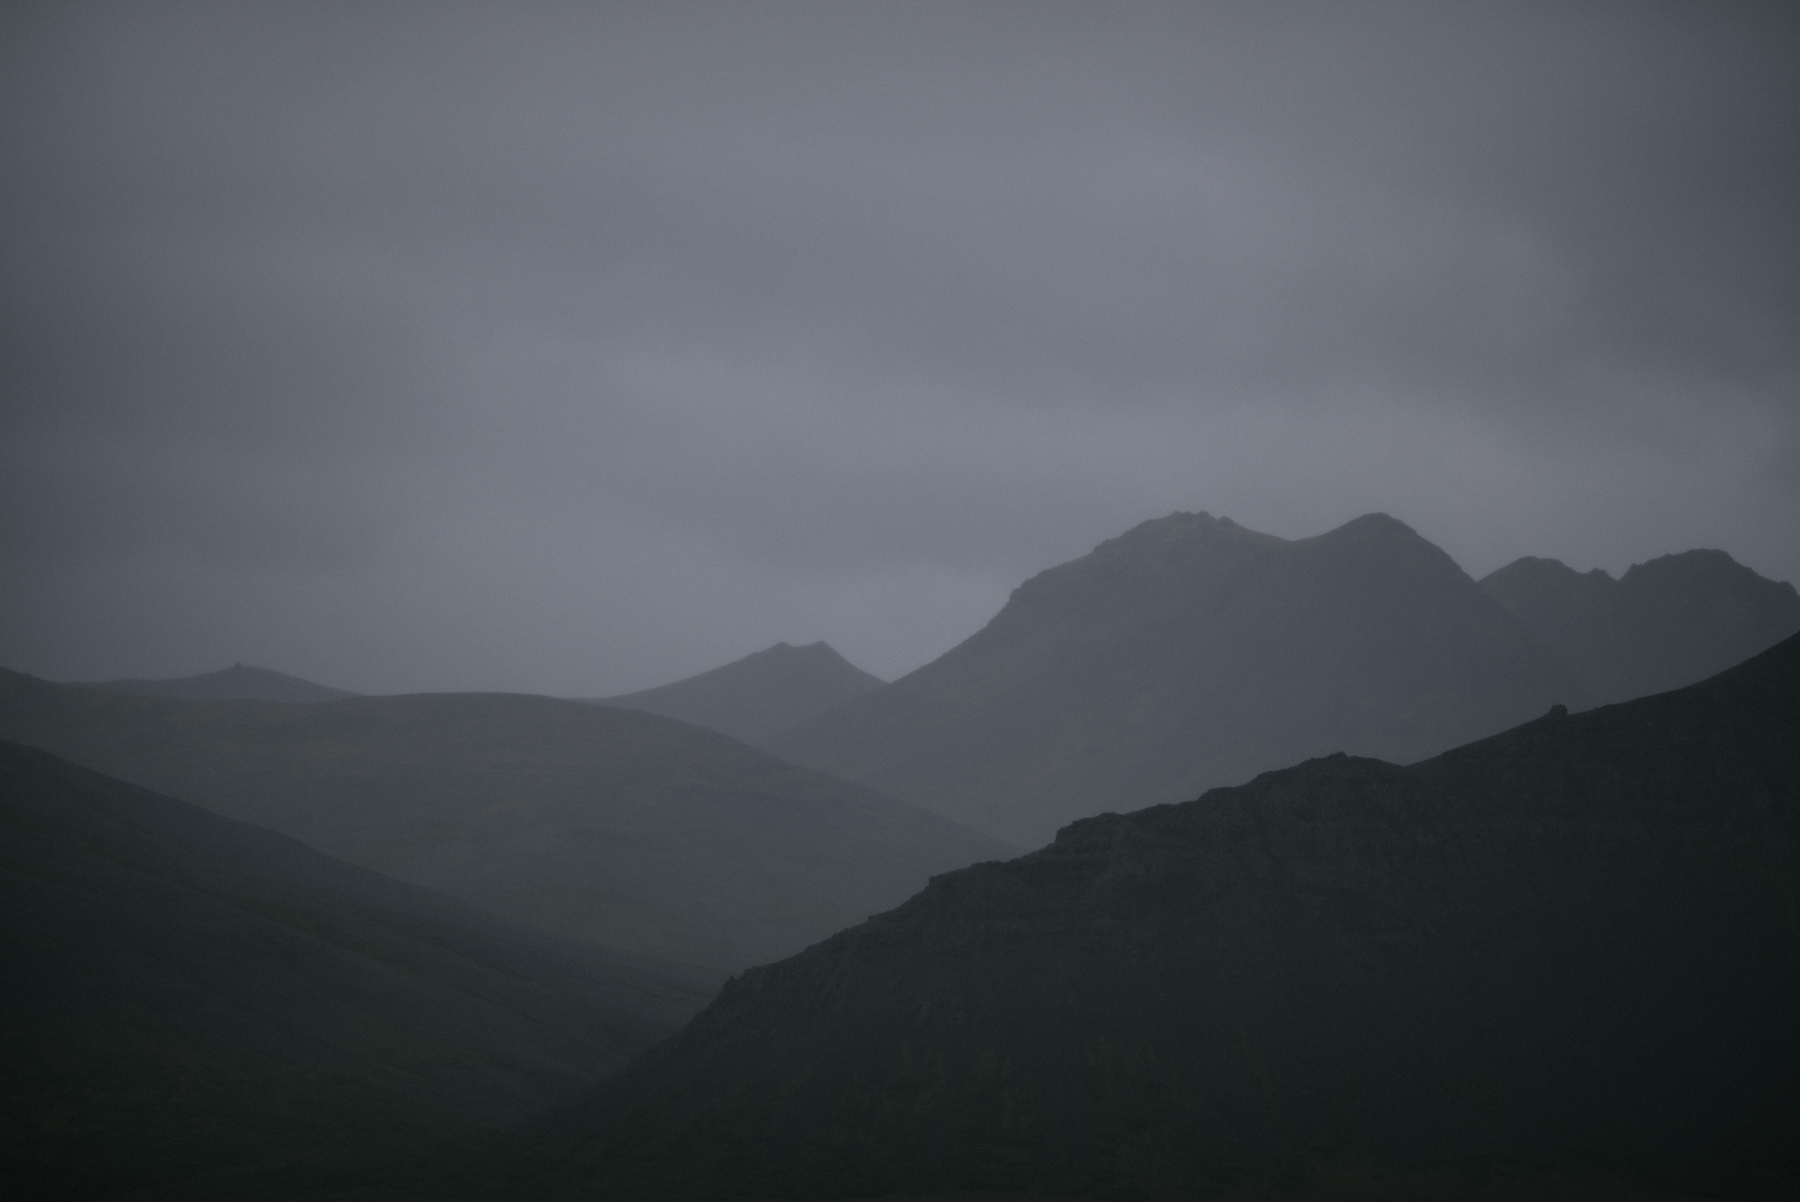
column 627, row 828
column 1187, row 653
column 189, row 996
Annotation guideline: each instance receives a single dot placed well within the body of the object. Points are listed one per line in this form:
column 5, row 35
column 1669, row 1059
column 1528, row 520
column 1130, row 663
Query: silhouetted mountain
column 756, row 696
column 1191, row 652
column 634, row 830
column 1570, row 948
column 1664, row 624
column 236, row 683
column 189, row 995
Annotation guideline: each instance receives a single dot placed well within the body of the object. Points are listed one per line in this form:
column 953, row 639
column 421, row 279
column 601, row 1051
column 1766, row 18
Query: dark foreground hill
column 188, row 995
column 1566, row 950
column 626, row 828
column 1663, row 624
column 754, row 697
column 236, row 683
column 1187, row 653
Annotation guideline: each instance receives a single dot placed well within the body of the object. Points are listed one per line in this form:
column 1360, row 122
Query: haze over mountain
column 236, row 683
column 1566, row 949
column 1191, row 652
column 189, row 995
column 1663, row 624
column 754, row 697
column 628, row 828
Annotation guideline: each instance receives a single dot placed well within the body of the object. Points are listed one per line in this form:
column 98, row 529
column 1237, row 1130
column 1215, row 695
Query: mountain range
column 1569, row 952
column 188, row 995
column 1663, row 624
column 1191, row 652
column 1186, row 653
column 236, row 683
column 754, row 697
column 635, row 831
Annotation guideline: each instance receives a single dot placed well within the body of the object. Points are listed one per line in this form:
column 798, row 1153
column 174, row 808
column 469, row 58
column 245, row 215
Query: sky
column 576, row 348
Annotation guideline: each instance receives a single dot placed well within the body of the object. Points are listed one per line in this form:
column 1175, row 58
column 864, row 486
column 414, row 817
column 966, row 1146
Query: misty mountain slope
column 758, row 695
column 1187, row 653
column 236, row 683
column 1571, row 946
column 634, row 830
column 189, row 993
column 1663, row 624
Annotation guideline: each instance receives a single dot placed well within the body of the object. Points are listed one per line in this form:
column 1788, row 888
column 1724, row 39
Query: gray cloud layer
column 576, row 348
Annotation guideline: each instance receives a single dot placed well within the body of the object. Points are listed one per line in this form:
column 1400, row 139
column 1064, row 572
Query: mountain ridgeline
column 1661, row 625
column 633, row 830
column 1566, row 950
column 1191, row 652
column 236, row 683
column 191, row 996
column 754, row 697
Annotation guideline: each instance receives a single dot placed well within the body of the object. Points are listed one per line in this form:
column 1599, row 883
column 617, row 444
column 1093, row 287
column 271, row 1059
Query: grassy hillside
column 630, row 829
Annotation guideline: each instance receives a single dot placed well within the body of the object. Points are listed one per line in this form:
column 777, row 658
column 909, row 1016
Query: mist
column 576, row 349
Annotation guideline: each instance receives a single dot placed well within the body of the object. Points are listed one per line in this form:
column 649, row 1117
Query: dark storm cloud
column 579, row 347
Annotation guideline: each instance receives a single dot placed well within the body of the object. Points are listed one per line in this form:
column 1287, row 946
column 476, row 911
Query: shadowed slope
column 1663, row 624
column 236, row 683
column 756, row 696
column 190, row 994
column 1574, row 944
column 1188, row 653
column 630, row 829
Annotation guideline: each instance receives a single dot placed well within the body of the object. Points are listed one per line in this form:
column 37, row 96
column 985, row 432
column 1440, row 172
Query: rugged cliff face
column 1577, row 942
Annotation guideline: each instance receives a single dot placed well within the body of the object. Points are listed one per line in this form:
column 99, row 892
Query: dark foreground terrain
column 1559, row 963
column 189, row 998
column 1566, row 956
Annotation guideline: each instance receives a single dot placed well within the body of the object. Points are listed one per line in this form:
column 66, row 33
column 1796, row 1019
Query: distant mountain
column 634, row 830
column 190, row 995
column 756, row 696
column 1664, row 624
column 236, row 683
column 1567, row 953
column 1187, row 653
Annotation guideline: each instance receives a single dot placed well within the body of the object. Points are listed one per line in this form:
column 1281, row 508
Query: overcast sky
column 577, row 348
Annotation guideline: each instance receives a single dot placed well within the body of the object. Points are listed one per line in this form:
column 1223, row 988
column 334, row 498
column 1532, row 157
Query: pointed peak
column 1373, row 525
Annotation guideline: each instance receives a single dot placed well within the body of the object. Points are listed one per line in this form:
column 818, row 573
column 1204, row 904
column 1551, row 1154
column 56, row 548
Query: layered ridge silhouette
column 189, row 995
column 236, row 683
column 1570, row 947
column 1187, row 653
column 1665, row 623
column 634, row 830
column 754, row 697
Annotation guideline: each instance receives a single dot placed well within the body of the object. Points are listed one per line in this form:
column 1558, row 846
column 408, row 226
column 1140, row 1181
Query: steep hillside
column 187, row 994
column 630, row 829
column 758, row 695
column 1663, row 624
column 236, row 683
column 1188, row 653
column 1570, row 949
